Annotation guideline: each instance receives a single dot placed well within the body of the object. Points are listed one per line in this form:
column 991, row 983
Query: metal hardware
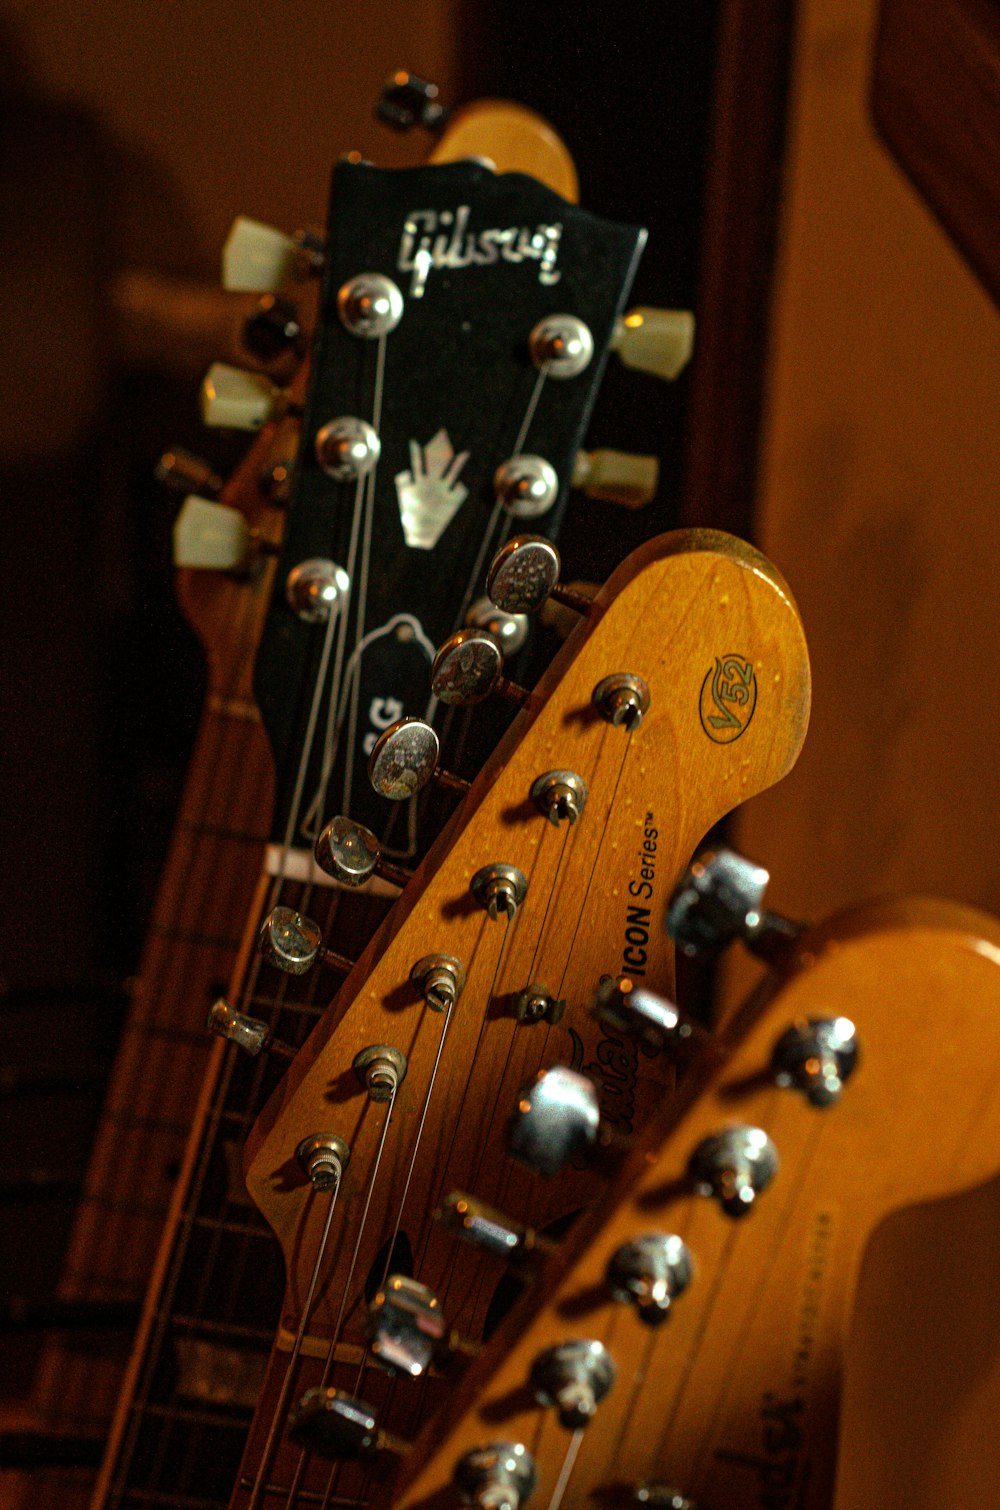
column 407, row 101
column 816, row 1057
column 721, row 898
column 440, row 979
column 339, row 1426
column 347, row 448
column 622, row 698
column 510, row 630
column 734, row 1166
column 274, row 329
column 315, row 589
column 370, row 305
column 324, row 1157
column 525, row 572
column 381, row 1070
column 293, row 943
column 405, row 758
column 537, row 1004
column 559, row 795
column 489, row 1229
column 497, row 1476
column 500, row 889
column 405, row 1326
column 574, row 1377
column 557, row 1116
column 181, row 472
column 469, row 667
column 561, row 346
column 251, row 1034
column 649, row 1273
column 654, row 1021
column 352, row 855
column 526, row 486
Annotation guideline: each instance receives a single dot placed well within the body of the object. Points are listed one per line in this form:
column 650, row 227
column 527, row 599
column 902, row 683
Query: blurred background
column 841, row 410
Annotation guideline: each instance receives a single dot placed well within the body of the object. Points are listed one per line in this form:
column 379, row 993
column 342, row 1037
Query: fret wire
column 310, row 1496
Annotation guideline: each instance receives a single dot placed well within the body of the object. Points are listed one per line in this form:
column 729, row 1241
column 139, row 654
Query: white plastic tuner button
column 210, row 535
column 659, row 341
column 233, row 397
column 257, row 258
column 617, row 476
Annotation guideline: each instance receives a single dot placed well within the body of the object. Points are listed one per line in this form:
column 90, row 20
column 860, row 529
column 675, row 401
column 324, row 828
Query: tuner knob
column 181, row 472
column 405, row 758
column 649, row 1273
column 734, row 1166
column 406, row 102
column 294, row 943
column 498, row 1476
column 816, row 1057
column 556, row 1117
column 659, row 341
column 526, row 486
column 574, row 1377
column 525, row 572
column 352, row 855
column 338, row 1426
column 257, row 258
column 490, row 1230
column 721, row 898
column 235, row 399
column 655, row 1022
column 274, row 330
column 560, row 796
column 211, row 536
column 251, row 1034
column 468, row 667
column 617, row 477
column 405, row 1326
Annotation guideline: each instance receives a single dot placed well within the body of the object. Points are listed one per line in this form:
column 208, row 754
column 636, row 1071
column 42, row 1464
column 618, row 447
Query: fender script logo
column 728, row 698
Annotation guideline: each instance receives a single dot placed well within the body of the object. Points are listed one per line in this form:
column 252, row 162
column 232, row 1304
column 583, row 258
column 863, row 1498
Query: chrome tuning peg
column 816, row 1057
column 649, row 1273
column 251, row 1034
column 573, row 1378
column 652, row 1020
column 658, row 341
column 257, row 258
column 339, row 1427
column 405, row 758
column 721, row 898
column 235, row 399
column 294, row 943
column 274, row 330
column 405, row 1326
column 734, row 1166
column 407, row 101
column 525, row 572
column 469, row 667
column 181, row 473
column 497, row 1476
column 557, row 1117
column 351, row 854
column 490, row 1230
column 617, row 477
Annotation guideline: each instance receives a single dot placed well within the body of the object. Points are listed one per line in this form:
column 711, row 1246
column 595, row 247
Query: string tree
column 293, row 943
column 721, row 898
column 469, row 667
column 351, row 854
column 497, row 1476
column 734, row 1166
column 657, row 341
column 405, row 758
column 258, row 258
column 251, row 1034
column 524, row 574
column 536, row 1003
column 573, row 1378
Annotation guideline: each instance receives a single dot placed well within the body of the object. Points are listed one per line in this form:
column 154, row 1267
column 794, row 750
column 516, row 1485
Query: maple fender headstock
column 711, row 629
column 733, row 1401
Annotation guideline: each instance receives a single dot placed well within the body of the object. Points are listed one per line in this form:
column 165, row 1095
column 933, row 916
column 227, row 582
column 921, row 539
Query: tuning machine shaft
column 258, row 258
column 490, row 1230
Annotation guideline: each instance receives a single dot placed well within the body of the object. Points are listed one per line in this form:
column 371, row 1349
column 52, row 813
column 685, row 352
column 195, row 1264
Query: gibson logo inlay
column 435, row 239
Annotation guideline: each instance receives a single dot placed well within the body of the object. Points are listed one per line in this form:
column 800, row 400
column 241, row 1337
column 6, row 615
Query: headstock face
column 734, row 1400
column 680, row 608
column 479, row 259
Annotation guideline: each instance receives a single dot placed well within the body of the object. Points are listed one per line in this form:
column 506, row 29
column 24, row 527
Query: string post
column 622, row 699
column 351, row 854
column 381, row 1070
column 323, row 1158
column 499, row 889
column 560, row 796
column 440, row 979
column 649, row 1272
column 497, row 1476
column 734, row 1166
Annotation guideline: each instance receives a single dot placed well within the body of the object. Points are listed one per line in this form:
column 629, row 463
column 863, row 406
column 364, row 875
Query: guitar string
column 286, row 1387
column 569, row 1463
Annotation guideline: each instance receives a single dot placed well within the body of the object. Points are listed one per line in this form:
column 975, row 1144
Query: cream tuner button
column 658, row 341
column 235, row 399
column 617, row 477
column 210, row 536
column 257, row 258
